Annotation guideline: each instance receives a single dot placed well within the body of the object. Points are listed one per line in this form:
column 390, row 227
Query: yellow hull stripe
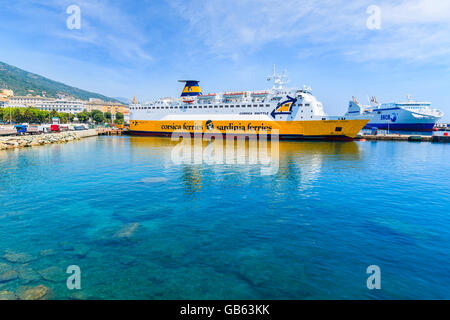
column 348, row 128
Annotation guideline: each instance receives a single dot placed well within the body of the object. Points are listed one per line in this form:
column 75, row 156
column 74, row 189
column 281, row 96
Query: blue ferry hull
column 401, row 126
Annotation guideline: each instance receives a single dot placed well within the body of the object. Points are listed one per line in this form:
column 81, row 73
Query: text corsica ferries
column 289, row 113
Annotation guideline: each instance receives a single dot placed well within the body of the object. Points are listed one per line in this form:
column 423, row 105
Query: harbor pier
column 404, row 137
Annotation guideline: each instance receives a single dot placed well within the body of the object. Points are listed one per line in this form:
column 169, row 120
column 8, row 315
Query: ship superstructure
column 402, row 116
column 295, row 113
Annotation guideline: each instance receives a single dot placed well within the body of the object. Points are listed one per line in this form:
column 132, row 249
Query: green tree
column 98, row 118
column 108, row 116
column 17, row 115
column 53, row 114
column 119, row 116
column 83, row 116
column 94, row 112
column 26, row 115
column 43, row 116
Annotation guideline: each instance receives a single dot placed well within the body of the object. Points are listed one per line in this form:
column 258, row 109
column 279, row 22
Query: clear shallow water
column 141, row 227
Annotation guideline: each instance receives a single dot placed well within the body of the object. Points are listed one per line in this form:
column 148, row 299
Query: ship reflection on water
column 297, row 161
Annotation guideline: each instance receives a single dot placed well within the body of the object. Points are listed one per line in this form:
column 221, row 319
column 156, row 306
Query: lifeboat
column 207, row 96
column 259, row 94
column 233, row 94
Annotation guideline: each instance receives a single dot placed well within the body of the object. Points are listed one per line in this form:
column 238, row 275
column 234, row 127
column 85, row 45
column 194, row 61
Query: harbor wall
column 12, row 142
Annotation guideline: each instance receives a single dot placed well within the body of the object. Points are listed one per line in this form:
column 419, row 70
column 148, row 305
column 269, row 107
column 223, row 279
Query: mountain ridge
column 23, row 83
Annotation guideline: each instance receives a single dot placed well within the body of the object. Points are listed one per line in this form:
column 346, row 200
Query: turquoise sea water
column 141, row 227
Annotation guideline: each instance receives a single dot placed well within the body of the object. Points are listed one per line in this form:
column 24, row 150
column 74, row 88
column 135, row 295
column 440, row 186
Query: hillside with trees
column 24, row 83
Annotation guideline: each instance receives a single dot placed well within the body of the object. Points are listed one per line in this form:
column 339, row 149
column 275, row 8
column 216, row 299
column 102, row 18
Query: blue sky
column 142, row 48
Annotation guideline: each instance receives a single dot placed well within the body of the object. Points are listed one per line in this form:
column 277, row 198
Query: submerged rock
column 8, row 276
column 66, row 245
column 126, row 231
column 47, row 252
column 53, row 274
column 39, row 292
column 28, row 275
column 81, row 250
column 17, row 257
column 7, row 295
column 77, row 295
column 4, row 267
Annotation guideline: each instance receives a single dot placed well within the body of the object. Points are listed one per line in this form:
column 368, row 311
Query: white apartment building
column 49, row 104
column 23, row 102
column 66, row 105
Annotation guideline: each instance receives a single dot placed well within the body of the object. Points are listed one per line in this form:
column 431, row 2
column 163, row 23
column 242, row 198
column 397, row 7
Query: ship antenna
column 278, row 80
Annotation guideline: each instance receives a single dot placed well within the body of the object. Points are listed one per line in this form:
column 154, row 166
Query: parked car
column 54, row 128
column 79, row 127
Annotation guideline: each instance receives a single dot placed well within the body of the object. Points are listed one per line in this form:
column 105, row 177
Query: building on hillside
column 5, row 93
column 26, row 101
column 3, row 102
column 49, row 104
column 62, row 105
column 112, row 107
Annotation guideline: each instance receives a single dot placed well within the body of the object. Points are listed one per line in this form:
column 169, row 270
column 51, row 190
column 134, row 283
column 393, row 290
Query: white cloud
column 412, row 30
column 103, row 25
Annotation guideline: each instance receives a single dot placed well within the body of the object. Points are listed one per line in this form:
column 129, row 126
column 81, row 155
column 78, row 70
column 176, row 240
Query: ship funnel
column 191, row 88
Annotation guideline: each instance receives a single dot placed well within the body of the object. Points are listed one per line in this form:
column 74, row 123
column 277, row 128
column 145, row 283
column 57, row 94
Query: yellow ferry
column 289, row 113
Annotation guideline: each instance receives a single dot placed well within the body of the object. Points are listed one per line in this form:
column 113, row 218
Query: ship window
column 232, row 106
column 210, row 107
column 267, row 105
column 261, row 105
column 338, row 129
column 195, row 107
column 255, row 106
column 220, row 106
column 215, row 106
column 307, row 105
column 249, row 106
